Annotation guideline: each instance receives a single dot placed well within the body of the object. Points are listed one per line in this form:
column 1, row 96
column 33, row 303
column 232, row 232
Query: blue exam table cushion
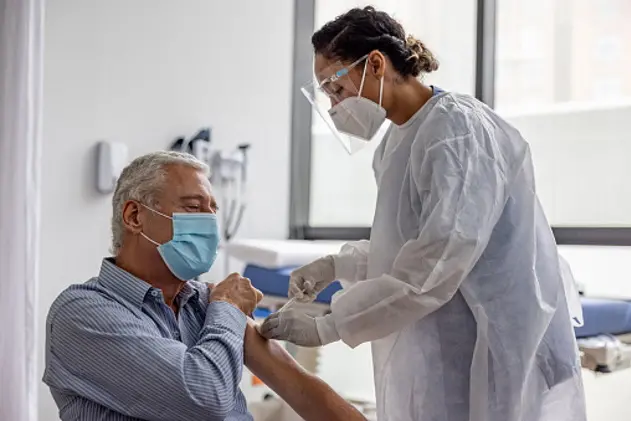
column 600, row 317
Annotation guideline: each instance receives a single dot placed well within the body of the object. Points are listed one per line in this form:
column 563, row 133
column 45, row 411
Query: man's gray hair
column 141, row 180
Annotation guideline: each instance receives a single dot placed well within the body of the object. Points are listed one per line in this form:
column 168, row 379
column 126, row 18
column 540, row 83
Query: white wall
column 143, row 72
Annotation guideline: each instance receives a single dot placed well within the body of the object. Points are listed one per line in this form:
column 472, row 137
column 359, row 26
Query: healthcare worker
column 459, row 288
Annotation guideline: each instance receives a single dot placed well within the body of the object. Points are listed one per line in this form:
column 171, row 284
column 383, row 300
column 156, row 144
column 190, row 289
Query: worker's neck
column 410, row 96
column 155, row 273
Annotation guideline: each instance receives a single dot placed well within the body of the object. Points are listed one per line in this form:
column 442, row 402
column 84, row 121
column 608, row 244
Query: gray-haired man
column 143, row 341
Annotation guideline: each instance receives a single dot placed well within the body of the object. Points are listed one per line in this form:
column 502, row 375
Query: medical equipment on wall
column 198, row 145
column 111, row 158
column 228, row 172
column 228, row 176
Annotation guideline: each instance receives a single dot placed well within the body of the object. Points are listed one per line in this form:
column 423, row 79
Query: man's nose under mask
column 193, row 248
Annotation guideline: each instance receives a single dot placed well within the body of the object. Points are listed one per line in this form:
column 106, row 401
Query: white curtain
column 21, row 47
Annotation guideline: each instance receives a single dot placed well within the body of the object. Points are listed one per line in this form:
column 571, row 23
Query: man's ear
column 133, row 217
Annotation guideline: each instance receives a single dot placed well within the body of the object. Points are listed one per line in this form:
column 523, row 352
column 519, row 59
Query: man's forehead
column 188, row 182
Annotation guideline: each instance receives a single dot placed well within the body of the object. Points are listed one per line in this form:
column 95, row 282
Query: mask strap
column 380, row 91
column 150, row 240
column 155, row 211
column 361, row 85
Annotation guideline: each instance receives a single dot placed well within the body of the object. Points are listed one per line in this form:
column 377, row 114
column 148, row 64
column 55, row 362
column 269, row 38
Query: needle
column 287, row 304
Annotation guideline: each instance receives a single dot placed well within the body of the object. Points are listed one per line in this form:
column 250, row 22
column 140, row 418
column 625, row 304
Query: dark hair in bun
column 360, row 31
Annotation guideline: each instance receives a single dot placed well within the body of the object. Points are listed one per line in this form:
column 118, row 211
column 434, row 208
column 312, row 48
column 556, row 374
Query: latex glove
column 307, row 282
column 299, row 328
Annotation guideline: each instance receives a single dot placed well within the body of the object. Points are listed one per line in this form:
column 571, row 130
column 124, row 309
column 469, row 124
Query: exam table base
column 606, row 354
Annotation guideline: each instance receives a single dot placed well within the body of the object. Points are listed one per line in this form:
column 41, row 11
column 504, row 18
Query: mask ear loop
column 361, row 85
column 149, row 239
column 381, row 91
column 156, row 212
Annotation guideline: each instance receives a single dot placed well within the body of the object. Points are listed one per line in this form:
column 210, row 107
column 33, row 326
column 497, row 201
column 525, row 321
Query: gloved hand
column 307, row 282
column 299, row 328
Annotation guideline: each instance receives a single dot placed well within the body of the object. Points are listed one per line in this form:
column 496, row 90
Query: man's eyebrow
column 193, row 196
column 201, row 198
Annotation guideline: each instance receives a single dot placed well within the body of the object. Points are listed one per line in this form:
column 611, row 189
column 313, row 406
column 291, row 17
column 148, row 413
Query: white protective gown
column 459, row 288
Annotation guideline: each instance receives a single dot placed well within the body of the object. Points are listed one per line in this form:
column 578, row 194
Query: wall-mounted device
column 228, row 172
column 111, row 159
column 198, row 145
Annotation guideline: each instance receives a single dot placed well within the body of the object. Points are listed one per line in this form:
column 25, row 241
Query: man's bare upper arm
column 308, row 395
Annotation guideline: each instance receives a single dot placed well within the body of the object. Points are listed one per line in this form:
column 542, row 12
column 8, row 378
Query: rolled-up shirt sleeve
column 105, row 353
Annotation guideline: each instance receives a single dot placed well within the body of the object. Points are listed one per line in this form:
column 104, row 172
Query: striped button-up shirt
column 116, row 352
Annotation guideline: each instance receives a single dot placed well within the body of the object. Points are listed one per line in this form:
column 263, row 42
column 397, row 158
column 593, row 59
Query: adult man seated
column 143, row 341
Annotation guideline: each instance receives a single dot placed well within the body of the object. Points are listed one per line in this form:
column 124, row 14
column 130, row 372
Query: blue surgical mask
column 193, row 248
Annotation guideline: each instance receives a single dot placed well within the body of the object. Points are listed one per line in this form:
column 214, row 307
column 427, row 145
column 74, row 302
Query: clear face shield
column 353, row 119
